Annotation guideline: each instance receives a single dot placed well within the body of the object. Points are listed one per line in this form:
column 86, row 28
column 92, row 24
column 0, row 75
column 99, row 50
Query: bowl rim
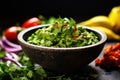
column 21, row 40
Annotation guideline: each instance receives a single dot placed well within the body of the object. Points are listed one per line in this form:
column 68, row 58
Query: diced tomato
column 31, row 22
column 12, row 32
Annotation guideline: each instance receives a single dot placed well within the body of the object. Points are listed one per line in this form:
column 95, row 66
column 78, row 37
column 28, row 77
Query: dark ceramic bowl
column 61, row 60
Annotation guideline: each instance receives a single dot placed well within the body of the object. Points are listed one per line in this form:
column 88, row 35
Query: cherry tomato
column 31, row 22
column 12, row 32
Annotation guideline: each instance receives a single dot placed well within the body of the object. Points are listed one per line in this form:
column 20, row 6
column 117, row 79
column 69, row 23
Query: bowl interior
column 24, row 35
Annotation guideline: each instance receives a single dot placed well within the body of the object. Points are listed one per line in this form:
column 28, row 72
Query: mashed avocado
column 63, row 33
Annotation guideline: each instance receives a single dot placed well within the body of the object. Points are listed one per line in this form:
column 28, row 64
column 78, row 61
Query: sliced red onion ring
column 10, row 58
column 10, row 49
column 15, row 56
column 5, row 40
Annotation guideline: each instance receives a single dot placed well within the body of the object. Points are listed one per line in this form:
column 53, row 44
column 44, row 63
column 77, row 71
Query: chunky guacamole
column 63, row 32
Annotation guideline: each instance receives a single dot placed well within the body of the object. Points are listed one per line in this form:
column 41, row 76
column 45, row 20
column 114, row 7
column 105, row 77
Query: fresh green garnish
column 2, row 53
column 63, row 33
column 32, row 71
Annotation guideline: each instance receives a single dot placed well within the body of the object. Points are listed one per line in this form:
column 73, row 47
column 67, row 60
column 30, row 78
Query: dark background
column 17, row 11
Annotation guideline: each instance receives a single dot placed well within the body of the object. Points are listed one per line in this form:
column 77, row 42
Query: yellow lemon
column 100, row 20
column 114, row 17
column 110, row 34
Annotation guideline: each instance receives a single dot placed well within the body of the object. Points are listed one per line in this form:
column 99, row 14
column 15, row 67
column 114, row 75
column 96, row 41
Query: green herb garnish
column 63, row 33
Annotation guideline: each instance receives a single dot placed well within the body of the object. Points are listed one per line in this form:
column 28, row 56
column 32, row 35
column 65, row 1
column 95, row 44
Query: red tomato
column 31, row 22
column 12, row 32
